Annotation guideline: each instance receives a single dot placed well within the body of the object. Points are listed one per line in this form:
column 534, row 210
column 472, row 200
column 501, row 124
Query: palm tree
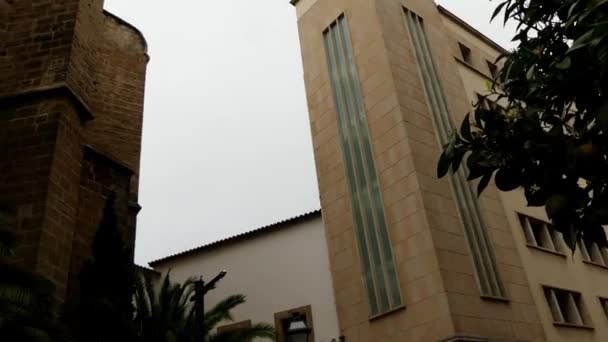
column 26, row 299
column 164, row 314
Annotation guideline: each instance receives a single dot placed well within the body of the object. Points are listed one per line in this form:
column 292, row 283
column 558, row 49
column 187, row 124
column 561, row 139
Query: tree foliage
column 164, row 313
column 26, row 299
column 551, row 135
column 107, row 286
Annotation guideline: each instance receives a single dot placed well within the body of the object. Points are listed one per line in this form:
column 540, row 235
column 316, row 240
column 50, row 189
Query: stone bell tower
column 71, row 107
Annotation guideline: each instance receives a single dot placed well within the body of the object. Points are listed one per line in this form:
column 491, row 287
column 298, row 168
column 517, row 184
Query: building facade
column 282, row 269
column 71, row 107
column 413, row 257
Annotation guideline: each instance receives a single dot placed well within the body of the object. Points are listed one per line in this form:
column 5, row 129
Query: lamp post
column 297, row 330
column 200, row 289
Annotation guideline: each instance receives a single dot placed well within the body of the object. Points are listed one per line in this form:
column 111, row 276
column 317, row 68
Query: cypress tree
column 107, row 284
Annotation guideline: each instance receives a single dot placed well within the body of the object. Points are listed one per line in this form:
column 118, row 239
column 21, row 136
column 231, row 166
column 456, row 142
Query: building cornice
column 470, row 29
column 459, row 22
column 133, row 29
column 94, row 151
column 58, row 89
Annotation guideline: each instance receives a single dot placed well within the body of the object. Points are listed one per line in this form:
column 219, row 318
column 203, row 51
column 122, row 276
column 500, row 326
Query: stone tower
column 71, row 107
column 413, row 257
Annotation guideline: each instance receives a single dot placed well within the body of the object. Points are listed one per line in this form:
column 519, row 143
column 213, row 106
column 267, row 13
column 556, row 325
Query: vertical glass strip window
column 482, row 254
column 371, row 230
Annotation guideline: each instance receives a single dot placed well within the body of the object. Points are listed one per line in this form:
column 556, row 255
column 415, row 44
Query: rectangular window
column 566, row 307
column 593, row 253
column 465, row 52
column 482, row 254
column 492, row 68
column 541, row 235
column 374, row 246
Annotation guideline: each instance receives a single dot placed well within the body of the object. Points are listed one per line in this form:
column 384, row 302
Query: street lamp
column 200, row 289
column 297, row 330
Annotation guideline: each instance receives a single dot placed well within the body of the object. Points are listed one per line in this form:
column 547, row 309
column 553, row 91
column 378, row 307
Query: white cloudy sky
column 226, row 144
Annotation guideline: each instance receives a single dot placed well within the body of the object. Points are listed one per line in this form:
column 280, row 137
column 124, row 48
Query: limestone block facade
column 395, row 77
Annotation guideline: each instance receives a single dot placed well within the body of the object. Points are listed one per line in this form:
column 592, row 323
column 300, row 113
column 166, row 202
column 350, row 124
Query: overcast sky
column 226, row 142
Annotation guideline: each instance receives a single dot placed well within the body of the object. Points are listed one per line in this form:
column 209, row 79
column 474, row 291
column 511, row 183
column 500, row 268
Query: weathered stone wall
column 71, row 75
column 39, row 173
column 119, row 81
column 35, row 43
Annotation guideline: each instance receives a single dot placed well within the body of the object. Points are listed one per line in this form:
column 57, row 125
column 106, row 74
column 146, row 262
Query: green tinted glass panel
column 373, row 242
column 479, row 245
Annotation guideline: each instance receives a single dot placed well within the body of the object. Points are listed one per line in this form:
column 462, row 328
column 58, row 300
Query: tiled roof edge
column 239, row 237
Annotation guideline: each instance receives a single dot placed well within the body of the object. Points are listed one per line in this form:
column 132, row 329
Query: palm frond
column 221, row 311
column 24, row 291
column 20, row 297
column 244, row 334
column 188, row 287
column 165, row 314
column 163, row 310
column 142, row 301
column 13, row 274
column 35, row 334
column 26, row 299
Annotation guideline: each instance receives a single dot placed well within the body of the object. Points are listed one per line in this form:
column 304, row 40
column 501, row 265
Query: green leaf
column 457, row 159
column 500, row 57
column 476, row 171
column 507, row 179
column 479, row 115
column 570, row 22
column 602, row 53
column 571, row 10
column 581, row 41
column 601, row 210
column 557, row 205
column 565, row 64
column 443, row 165
column 530, row 73
column 508, row 12
column 569, row 234
column 497, row 10
column 595, row 42
column 598, row 4
column 602, row 117
column 595, row 233
column 483, row 183
column 465, row 128
column 536, row 197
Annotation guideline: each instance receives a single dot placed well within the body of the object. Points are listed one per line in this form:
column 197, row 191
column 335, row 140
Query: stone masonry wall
column 426, row 316
column 472, row 315
column 39, row 168
column 35, row 43
column 71, row 75
column 25, row 162
column 99, row 57
column 435, row 271
column 119, row 80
